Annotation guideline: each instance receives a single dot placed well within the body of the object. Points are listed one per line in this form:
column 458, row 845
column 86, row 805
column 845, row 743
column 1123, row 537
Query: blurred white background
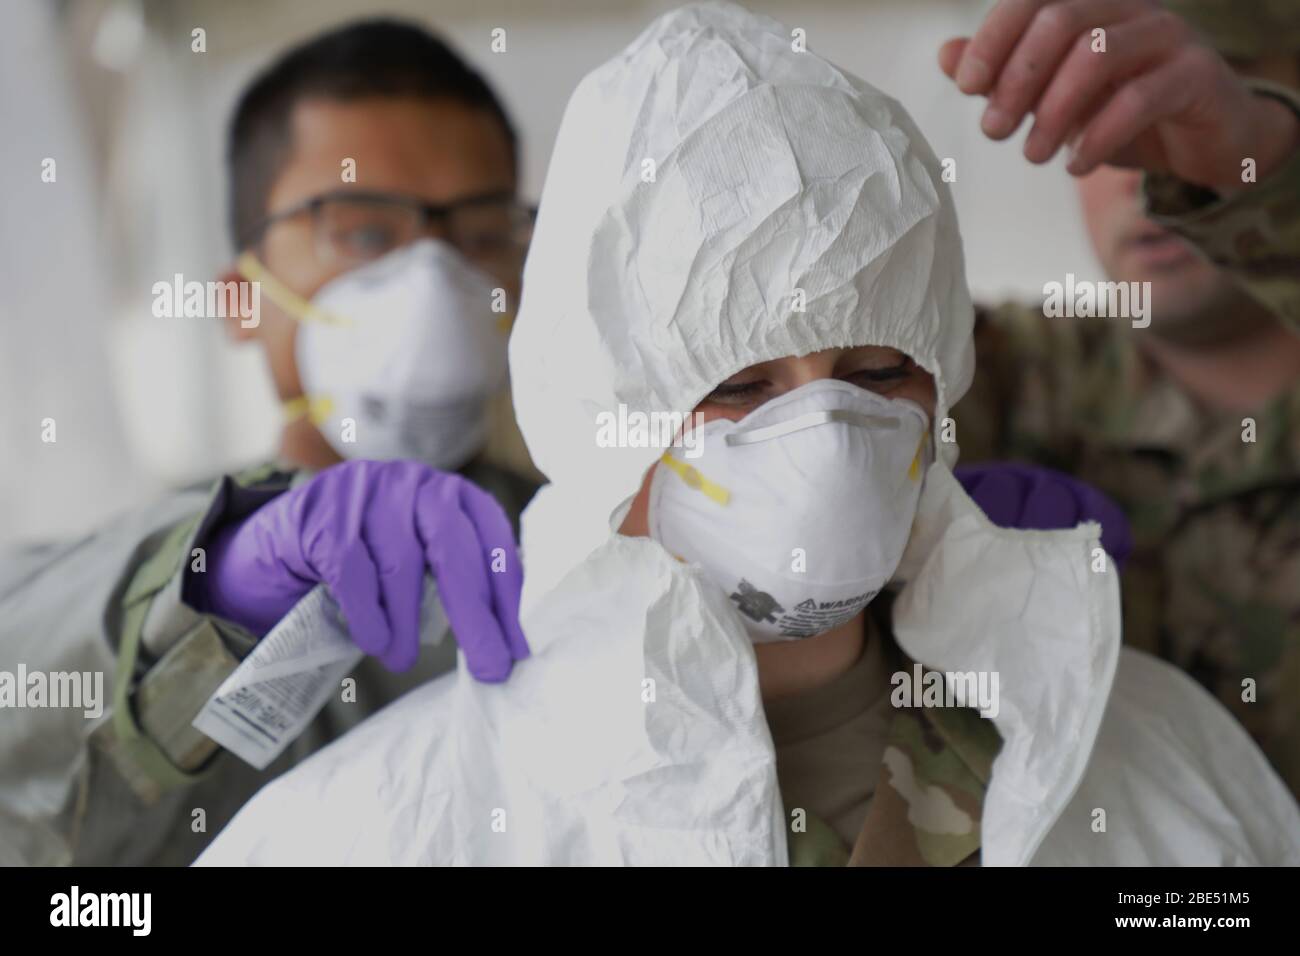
column 136, row 122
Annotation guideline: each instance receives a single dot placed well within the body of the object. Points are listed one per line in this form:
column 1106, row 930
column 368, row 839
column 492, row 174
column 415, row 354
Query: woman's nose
column 808, row 368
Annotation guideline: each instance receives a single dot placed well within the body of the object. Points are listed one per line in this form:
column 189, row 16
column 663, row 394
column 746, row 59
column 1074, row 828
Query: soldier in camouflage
column 141, row 786
column 1192, row 424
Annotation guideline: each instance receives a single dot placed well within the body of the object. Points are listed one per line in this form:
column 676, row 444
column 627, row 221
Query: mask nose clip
column 811, row 420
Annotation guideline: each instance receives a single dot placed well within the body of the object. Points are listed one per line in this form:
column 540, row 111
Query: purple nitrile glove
column 1028, row 497
column 368, row 530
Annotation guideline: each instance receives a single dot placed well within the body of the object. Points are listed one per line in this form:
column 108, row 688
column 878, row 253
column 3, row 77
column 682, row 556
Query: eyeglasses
column 350, row 228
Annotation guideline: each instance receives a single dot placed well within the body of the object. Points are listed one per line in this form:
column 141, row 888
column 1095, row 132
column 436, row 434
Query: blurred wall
column 170, row 400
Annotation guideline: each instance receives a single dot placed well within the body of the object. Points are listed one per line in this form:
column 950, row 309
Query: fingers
column 1000, row 493
column 390, row 534
column 1041, row 56
column 1049, row 502
column 1048, row 38
column 505, row 577
column 392, row 519
column 1116, row 536
column 950, row 55
column 353, row 579
column 1080, row 85
column 1132, row 110
column 335, row 552
column 984, row 56
column 456, row 555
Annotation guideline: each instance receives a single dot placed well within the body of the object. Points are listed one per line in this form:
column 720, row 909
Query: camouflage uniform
column 127, row 788
column 1244, row 28
column 951, row 748
column 1213, row 584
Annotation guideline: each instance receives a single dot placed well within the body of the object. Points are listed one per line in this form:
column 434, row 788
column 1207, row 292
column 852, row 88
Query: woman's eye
column 877, row 378
column 739, row 394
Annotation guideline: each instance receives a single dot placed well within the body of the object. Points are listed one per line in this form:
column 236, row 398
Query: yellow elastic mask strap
column 691, row 475
column 914, row 469
column 316, row 409
column 279, row 293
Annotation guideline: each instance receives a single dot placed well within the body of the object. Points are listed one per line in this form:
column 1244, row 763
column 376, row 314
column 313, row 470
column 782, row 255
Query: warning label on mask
column 807, row 619
column 811, row 617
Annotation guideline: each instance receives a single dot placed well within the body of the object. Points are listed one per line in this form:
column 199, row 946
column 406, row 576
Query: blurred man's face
column 436, row 150
column 1192, row 299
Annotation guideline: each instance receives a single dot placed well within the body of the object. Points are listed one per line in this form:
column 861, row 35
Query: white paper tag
column 281, row 686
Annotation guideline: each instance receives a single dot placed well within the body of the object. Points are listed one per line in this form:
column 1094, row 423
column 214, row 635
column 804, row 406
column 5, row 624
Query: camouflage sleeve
column 1032, row 375
column 170, row 657
column 1255, row 234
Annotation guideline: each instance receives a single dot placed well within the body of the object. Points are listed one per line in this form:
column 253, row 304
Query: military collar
column 927, row 806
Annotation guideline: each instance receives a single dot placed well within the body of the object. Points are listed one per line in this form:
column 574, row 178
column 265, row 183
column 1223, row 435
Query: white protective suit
column 699, row 178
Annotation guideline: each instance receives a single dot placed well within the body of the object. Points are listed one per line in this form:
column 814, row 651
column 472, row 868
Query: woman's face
column 884, row 371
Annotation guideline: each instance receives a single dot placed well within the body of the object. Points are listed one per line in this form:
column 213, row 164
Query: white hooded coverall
column 699, row 178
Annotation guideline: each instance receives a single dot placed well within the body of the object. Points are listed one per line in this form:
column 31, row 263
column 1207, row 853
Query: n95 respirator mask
column 801, row 510
column 400, row 357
